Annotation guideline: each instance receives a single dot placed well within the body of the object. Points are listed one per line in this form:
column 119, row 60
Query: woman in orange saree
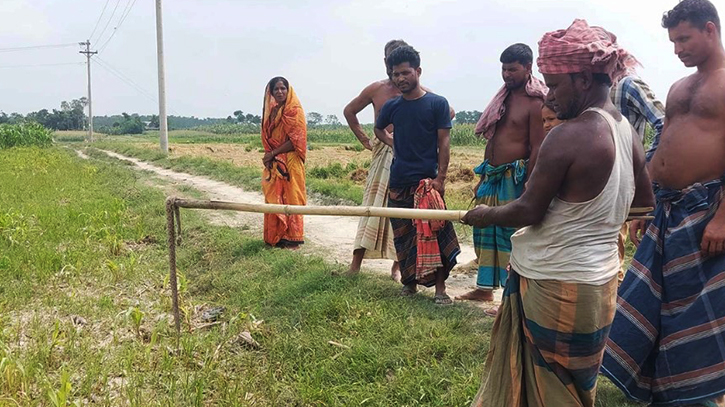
column 284, row 136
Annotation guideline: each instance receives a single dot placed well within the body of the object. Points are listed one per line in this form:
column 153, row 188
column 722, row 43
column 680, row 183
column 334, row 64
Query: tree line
column 71, row 116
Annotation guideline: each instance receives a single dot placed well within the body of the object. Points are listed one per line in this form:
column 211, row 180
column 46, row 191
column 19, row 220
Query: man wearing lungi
column 549, row 335
column 374, row 239
column 667, row 346
column 512, row 125
column 426, row 250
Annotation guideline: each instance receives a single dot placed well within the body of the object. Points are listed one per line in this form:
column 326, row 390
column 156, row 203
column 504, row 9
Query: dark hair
column 272, row 82
column 697, row 12
column 392, row 45
column 549, row 106
column 520, row 53
column 600, row 78
column 403, row 54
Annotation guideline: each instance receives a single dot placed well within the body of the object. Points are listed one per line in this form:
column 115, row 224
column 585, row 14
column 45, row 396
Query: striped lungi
column 667, row 345
column 375, row 235
column 501, row 185
column 405, row 238
column 547, row 344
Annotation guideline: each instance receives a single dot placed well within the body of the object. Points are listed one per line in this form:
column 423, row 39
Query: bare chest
column 699, row 97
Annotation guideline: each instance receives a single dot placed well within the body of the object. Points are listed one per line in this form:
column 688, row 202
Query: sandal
column 491, row 312
column 442, row 299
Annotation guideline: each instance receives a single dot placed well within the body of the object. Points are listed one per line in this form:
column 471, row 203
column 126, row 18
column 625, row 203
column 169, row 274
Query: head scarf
column 486, row 126
column 582, row 48
column 290, row 117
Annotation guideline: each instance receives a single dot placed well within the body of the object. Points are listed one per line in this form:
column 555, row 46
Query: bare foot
column 477, row 295
column 408, row 290
column 395, row 272
column 470, row 266
column 491, row 312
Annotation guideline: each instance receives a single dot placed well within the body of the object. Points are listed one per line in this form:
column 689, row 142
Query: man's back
column 693, row 141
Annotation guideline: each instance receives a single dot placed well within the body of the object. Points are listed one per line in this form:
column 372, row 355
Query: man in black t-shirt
column 421, row 150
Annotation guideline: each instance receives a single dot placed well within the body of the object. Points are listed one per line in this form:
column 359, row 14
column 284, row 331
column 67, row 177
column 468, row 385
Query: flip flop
column 443, row 299
column 491, row 312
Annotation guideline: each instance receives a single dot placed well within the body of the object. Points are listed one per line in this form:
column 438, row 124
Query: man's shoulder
column 377, row 86
column 436, row 98
column 391, row 103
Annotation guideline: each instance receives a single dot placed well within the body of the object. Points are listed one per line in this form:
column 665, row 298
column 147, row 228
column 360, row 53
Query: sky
column 219, row 54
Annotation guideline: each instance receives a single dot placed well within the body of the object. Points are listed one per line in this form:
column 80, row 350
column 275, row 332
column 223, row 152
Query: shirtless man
column 374, row 238
column 512, row 125
column 671, row 304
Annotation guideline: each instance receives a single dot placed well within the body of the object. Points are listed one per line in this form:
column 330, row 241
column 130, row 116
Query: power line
column 128, row 81
column 103, row 64
column 109, row 21
column 38, row 65
column 115, row 29
column 36, row 47
column 99, row 19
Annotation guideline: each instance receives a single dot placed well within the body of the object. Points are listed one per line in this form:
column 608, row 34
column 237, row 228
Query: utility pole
column 163, row 125
column 88, row 54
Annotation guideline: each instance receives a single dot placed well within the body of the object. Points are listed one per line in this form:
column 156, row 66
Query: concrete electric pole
column 88, row 54
column 163, row 125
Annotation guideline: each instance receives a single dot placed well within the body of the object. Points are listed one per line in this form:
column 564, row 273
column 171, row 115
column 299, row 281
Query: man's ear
column 418, row 70
column 711, row 29
column 585, row 80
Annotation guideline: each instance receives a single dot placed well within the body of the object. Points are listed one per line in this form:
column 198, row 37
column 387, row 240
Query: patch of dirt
column 359, row 176
column 461, row 174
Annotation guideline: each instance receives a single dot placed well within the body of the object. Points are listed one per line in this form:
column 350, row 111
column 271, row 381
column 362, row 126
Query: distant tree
column 230, row 119
column 239, row 115
column 313, row 119
column 154, row 122
column 4, row 117
column 332, row 120
column 467, row 116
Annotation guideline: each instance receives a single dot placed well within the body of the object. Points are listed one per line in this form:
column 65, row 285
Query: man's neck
column 414, row 94
column 597, row 98
column 715, row 61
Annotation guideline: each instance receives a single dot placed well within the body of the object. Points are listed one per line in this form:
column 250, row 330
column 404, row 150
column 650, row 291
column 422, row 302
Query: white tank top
column 577, row 241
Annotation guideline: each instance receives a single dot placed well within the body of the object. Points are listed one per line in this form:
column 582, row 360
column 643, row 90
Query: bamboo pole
column 367, row 211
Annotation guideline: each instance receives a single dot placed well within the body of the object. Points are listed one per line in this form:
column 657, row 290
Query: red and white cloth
column 582, row 48
column 428, row 259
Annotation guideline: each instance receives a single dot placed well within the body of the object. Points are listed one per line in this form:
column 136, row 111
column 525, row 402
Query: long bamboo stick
column 382, row 212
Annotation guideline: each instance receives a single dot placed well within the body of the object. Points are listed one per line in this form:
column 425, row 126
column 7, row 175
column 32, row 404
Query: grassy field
column 85, row 314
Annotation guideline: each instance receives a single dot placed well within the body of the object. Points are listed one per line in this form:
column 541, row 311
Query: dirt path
column 331, row 236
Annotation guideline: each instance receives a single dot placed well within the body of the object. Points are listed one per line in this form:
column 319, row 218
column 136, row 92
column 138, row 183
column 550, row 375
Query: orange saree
column 284, row 183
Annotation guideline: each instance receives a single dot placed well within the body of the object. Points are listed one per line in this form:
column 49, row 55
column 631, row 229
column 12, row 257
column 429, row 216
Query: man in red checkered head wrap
column 550, row 333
